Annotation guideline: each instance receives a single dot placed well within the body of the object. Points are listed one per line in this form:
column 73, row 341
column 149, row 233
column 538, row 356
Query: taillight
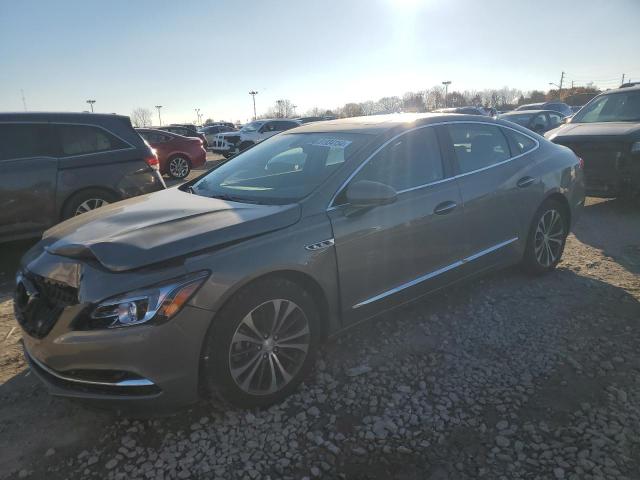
column 580, row 162
column 152, row 161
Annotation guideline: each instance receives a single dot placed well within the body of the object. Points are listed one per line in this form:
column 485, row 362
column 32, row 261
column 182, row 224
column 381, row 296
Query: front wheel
column 86, row 201
column 547, row 238
column 262, row 344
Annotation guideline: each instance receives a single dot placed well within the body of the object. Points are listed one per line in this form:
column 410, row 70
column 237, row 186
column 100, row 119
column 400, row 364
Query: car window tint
column 24, row 141
column 540, row 121
column 478, row 146
column 555, row 119
column 520, row 119
column 82, row 139
column 519, row 143
column 408, row 161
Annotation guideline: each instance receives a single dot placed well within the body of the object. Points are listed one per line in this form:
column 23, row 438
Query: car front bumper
column 140, row 365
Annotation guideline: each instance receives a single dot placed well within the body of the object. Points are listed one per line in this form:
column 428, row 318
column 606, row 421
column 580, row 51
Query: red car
column 177, row 154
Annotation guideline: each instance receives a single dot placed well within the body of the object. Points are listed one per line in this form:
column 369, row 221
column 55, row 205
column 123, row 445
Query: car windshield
column 252, row 127
column 282, row 169
column 521, row 119
column 615, row 107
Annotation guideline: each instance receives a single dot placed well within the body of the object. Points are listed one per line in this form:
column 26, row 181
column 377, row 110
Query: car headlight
column 159, row 303
column 635, row 147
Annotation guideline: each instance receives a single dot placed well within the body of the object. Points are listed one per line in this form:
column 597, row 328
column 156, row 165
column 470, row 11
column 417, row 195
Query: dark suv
column 54, row 166
column 606, row 134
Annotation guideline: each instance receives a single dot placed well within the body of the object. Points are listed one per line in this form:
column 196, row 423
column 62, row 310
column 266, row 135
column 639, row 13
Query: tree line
column 427, row 100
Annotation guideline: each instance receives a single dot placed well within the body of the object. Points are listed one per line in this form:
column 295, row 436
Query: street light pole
column 253, row 94
column 198, row 115
column 159, row 118
column 446, row 90
column 91, row 102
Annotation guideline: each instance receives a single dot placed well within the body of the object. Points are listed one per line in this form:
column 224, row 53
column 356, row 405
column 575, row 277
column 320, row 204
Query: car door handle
column 445, row 207
column 525, row 181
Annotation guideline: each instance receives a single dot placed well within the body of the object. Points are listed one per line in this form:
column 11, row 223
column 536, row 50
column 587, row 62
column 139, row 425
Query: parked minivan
column 54, row 166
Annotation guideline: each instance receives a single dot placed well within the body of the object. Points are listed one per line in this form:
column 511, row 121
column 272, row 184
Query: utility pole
column 560, row 86
column 622, row 82
column 253, row 94
column 159, row 118
column 446, row 90
column 91, row 102
column 294, row 109
column 24, row 102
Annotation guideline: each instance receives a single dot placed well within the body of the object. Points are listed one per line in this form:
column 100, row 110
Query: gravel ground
column 506, row 377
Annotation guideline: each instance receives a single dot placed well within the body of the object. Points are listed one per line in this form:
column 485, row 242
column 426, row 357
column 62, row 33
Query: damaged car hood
column 160, row 226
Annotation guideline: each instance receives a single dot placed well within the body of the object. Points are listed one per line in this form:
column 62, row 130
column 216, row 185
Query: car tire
column 245, row 145
column 245, row 361
column 179, row 167
column 547, row 238
column 87, row 200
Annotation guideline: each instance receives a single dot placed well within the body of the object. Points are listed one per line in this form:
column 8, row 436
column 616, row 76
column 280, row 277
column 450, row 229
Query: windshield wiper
column 233, row 198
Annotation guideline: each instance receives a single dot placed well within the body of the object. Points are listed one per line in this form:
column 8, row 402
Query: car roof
column 633, row 88
column 79, row 117
column 376, row 124
column 529, row 112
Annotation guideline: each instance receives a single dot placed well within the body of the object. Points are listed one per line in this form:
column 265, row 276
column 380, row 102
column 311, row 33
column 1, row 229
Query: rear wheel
column 86, row 201
column 179, row 167
column 547, row 237
column 262, row 344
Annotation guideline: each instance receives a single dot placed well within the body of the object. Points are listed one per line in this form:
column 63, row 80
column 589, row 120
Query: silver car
column 228, row 284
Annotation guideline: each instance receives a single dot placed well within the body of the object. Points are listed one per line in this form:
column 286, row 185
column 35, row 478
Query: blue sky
column 208, row 54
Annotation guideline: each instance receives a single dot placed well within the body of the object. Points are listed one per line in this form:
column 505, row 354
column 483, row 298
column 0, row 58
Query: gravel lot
column 506, row 377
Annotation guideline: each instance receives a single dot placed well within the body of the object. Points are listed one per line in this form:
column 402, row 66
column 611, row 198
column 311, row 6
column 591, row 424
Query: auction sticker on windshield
column 331, row 142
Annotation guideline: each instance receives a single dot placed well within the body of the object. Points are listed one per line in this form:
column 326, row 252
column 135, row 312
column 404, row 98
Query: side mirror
column 365, row 193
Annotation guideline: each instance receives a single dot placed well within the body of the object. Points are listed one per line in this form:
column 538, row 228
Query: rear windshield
column 616, row 107
column 282, row 169
column 522, row 119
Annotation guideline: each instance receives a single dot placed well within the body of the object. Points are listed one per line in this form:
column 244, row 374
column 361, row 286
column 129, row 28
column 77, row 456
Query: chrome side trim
column 366, row 160
column 139, row 382
column 320, row 245
column 435, row 273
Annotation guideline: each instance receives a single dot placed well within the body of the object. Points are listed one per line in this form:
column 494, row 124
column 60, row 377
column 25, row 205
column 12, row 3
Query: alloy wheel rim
column 269, row 347
column 90, row 204
column 549, row 238
column 179, row 167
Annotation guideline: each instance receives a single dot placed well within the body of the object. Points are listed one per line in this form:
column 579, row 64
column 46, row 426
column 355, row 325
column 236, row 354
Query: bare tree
column 352, row 110
column 390, row 104
column 434, row 98
column 413, row 102
column 282, row 109
column 369, row 107
column 141, row 117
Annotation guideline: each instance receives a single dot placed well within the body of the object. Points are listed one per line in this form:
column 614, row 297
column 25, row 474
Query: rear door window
column 519, row 142
column 86, row 139
column 25, row 141
column 478, row 146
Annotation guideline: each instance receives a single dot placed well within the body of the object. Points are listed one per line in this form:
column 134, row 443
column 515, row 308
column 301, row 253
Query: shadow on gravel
column 612, row 226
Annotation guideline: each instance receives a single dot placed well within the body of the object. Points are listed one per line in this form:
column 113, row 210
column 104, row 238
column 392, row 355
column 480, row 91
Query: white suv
column 231, row 143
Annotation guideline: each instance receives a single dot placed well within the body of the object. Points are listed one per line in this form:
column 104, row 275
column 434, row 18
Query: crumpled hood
column 602, row 129
column 160, row 226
